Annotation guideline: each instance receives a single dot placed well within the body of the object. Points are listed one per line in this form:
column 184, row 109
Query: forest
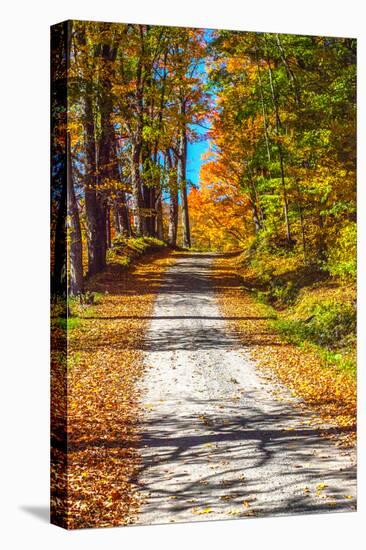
column 273, row 117
column 279, row 113
column 277, row 179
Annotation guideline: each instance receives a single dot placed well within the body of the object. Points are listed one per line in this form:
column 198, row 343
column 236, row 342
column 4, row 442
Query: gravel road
column 216, row 441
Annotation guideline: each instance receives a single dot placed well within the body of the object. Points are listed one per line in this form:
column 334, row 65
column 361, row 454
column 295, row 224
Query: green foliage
column 69, row 323
column 342, row 256
column 143, row 244
column 278, row 271
column 286, row 134
column 329, row 324
column 310, row 307
column 125, row 249
column 283, row 292
column 339, row 361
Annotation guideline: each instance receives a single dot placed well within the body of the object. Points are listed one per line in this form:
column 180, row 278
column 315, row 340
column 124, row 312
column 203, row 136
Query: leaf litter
column 105, row 363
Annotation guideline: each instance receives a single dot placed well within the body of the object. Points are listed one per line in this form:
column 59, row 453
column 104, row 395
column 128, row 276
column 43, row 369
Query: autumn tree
column 284, row 130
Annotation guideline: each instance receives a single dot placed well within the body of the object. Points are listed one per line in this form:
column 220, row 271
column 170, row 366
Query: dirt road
column 216, row 443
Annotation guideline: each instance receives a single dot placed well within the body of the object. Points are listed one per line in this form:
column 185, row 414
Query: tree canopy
column 279, row 113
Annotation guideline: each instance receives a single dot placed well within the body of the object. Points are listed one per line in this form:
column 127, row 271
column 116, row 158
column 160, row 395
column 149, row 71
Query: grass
column 125, row 250
column 284, row 341
column 323, row 317
column 309, row 307
column 296, row 333
column 326, row 325
column 68, row 323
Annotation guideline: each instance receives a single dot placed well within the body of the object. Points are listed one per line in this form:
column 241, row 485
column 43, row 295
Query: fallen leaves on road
column 199, row 512
column 234, row 512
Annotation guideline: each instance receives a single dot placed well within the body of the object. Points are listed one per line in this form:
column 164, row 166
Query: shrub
column 342, row 256
column 329, row 324
column 283, row 292
column 124, row 249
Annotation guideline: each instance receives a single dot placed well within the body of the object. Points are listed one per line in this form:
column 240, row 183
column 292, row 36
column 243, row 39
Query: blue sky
column 195, row 150
column 194, row 154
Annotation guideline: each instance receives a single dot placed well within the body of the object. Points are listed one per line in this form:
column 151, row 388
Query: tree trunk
column 96, row 248
column 60, row 44
column 257, row 212
column 280, row 153
column 136, row 188
column 284, row 194
column 124, row 218
column 182, row 175
column 108, row 227
column 152, row 212
column 93, row 209
column 289, row 71
column 59, row 279
column 137, row 143
column 117, row 224
column 256, row 217
column 173, row 202
column 74, row 242
column 159, row 218
column 264, row 112
column 321, row 241
column 301, row 215
column 75, row 267
column 121, row 217
column 156, row 197
column 121, row 214
column 148, row 193
column 106, row 157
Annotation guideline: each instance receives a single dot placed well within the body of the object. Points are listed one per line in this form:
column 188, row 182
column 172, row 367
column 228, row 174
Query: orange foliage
column 218, row 211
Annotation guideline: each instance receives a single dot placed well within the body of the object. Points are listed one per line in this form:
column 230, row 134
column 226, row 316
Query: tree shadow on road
column 267, row 459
